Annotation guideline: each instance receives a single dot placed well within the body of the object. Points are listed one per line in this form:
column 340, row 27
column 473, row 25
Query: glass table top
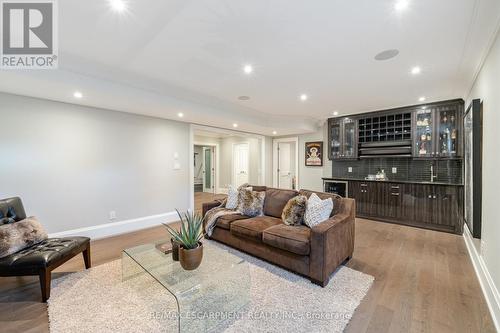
column 207, row 296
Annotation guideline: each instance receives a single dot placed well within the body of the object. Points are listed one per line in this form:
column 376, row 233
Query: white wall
column 72, row 165
column 310, row 177
column 487, row 88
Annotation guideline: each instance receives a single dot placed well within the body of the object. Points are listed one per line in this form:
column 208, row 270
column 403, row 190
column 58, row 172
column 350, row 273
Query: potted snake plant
column 189, row 239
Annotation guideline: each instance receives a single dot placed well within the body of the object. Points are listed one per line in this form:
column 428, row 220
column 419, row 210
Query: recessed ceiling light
column 335, row 113
column 386, row 55
column 401, row 5
column 248, row 69
column 180, row 115
column 244, row 98
column 77, row 94
column 416, row 70
column 303, row 97
column 235, row 125
column 422, row 99
column 118, row 5
column 274, row 132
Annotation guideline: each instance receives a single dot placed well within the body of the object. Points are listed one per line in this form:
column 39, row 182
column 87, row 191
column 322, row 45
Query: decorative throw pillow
column 251, row 203
column 232, row 198
column 295, row 208
column 20, row 235
column 317, row 210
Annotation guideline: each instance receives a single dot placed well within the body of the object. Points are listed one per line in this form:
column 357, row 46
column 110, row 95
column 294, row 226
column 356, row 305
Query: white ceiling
column 162, row 57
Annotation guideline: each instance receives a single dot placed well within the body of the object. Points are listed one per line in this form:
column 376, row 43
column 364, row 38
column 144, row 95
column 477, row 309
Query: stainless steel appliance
column 339, row 187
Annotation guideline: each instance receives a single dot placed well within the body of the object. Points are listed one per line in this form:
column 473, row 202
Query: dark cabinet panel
column 423, row 205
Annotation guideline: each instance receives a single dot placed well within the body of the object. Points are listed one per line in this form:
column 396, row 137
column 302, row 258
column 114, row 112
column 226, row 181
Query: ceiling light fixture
column 303, row 97
column 416, row 70
column 386, row 55
column 401, row 5
column 422, row 99
column 235, row 125
column 118, row 5
column 77, row 94
column 244, row 98
column 180, row 115
column 248, row 69
column 274, row 132
column 335, row 113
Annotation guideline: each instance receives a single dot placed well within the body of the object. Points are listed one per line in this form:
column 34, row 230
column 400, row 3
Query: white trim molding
column 490, row 291
column 118, row 228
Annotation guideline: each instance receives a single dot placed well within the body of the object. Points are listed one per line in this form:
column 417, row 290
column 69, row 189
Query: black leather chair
column 42, row 258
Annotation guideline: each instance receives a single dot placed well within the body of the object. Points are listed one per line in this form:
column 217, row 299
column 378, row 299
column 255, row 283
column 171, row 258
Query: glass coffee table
column 209, row 297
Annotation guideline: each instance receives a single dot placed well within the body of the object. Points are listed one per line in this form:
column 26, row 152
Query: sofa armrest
column 206, row 206
column 332, row 242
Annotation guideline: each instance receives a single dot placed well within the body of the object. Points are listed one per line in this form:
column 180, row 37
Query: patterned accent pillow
column 295, row 208
column 232, row 198
column 251, row 203
column 317, row 210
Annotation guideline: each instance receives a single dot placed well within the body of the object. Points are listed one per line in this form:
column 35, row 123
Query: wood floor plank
column 424, row 281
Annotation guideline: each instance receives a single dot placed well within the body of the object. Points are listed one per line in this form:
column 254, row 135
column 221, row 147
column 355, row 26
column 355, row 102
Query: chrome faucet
column 433, row 176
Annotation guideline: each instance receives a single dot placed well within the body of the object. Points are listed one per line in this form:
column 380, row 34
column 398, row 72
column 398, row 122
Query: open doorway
column 224, row 158
column 286, row 163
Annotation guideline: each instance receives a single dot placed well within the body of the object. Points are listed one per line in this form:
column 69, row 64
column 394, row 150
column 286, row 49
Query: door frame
column 294, row 139
column 215, row 146
column 233, row 173
column 212, row 169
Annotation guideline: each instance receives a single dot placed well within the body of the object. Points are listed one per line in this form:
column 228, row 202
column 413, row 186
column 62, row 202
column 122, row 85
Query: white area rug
column 97, row 300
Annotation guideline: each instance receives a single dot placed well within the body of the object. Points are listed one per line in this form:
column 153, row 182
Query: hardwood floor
column 201, row 197
column 424, row 282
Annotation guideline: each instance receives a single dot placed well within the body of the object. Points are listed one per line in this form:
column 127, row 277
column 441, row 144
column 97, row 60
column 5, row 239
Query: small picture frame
column 314, row 153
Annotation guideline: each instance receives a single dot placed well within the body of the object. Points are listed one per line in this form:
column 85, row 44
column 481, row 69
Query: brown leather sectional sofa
column 314, row 253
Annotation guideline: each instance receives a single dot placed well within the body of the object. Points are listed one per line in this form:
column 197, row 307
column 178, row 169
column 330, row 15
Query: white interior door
column 208, row 170
column 285, row 173
column 240, row 164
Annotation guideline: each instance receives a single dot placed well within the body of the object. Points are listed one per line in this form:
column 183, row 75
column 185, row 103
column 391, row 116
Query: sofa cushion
column 225, row 221
column 253, row 227
column 42, row 254
column 295, row 239
column 337, row 199
column 276, row 199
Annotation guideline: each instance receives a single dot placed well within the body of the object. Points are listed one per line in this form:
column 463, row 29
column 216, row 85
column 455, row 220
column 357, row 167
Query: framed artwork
column 473, row 156
column 314, row 153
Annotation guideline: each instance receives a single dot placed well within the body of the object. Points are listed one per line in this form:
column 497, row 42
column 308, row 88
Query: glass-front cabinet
column 343, row 143
column 448, row 127
column 437, row 131
column 424, row 133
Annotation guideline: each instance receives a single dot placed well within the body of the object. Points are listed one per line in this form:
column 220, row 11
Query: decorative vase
column 175, row 250
column 191, row 258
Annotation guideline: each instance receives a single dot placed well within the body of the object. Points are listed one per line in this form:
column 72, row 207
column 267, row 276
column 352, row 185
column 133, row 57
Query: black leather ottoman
column 42, row 258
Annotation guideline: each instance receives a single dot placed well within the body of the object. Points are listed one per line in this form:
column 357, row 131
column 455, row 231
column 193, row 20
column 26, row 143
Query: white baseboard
column 121, row 227
column 490, row 291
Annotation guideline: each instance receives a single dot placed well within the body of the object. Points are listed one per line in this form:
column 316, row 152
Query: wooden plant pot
column 175, row 250
column 191, row 259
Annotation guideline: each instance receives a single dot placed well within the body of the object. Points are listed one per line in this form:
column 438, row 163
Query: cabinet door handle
column 430, row 196
column 434, row 197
